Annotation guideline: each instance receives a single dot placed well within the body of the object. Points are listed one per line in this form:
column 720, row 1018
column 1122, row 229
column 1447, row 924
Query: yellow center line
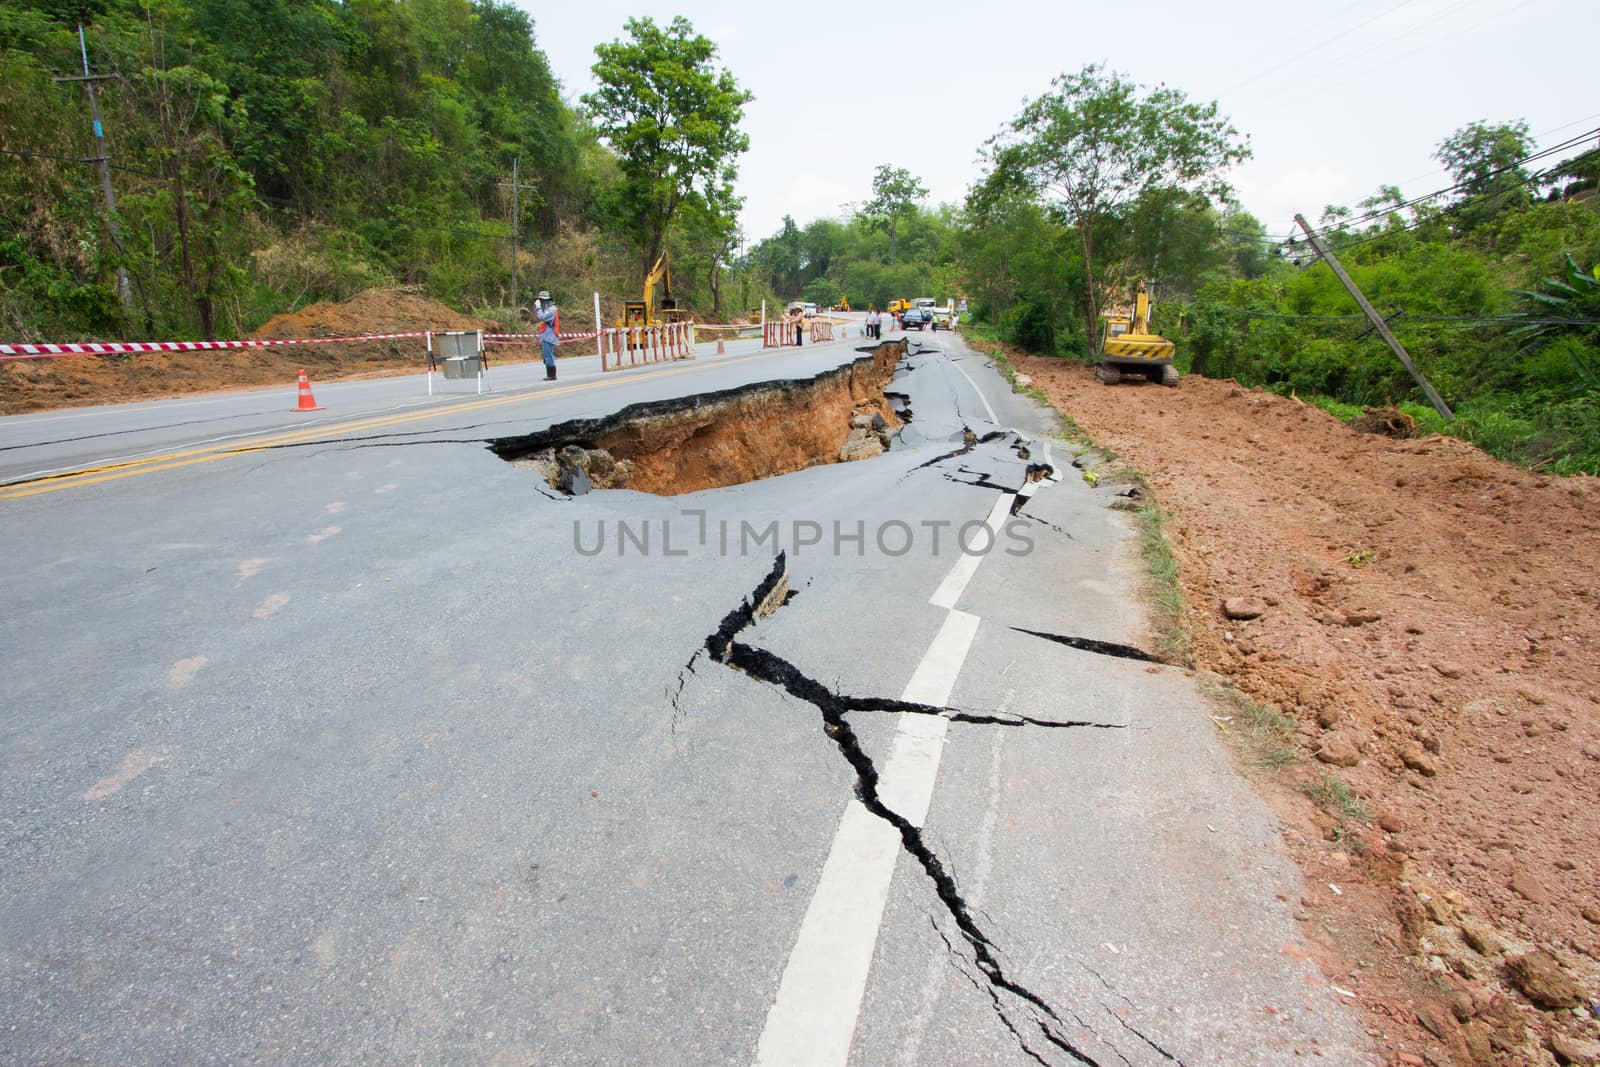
column 209, row 454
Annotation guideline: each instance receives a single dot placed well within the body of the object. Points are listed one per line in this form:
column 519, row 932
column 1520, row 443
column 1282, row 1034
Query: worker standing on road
column 799, row 326
column 549, row 332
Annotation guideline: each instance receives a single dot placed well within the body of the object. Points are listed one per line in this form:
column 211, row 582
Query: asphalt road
column 333, row 738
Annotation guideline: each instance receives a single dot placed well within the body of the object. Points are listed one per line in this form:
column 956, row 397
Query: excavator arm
column 661, row 272
column 643, row 312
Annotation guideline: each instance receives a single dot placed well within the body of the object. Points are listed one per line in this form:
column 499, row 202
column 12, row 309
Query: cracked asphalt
column 346, row 749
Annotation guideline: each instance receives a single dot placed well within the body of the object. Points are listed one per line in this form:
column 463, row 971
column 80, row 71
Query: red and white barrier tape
column 518, row 338
column 112, row 348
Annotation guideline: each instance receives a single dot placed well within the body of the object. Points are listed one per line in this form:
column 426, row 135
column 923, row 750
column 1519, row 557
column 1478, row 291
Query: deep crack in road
column 767, row 667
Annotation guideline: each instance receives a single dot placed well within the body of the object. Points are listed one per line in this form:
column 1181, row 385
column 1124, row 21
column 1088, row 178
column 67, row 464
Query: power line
column 1342, row 227
column 1377, row 212
column 1536, row 137
column 1416, row 320
column 1432, row 43
column 1414, row 224
column 1319, row 47
column 77, row 159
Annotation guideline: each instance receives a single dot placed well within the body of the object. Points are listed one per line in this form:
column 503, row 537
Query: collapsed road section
column 709, row 440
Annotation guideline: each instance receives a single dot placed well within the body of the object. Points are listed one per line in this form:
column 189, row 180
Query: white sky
column 1336, row 97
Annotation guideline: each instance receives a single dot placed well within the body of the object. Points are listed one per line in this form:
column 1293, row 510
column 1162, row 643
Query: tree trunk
column 891, row 240
column 180, row 207
column 1091, row 319
column 715, row 281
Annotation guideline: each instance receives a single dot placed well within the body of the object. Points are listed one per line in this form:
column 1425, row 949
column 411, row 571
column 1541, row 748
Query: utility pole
column 123, row 292
column 516, row 218
column 1376, row 320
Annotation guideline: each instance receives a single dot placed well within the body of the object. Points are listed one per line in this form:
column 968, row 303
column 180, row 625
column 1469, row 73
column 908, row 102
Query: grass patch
column 1263, row 732
column 1165, row 590
column 1558, row 437
column 1335, row 798
column 1337, row 408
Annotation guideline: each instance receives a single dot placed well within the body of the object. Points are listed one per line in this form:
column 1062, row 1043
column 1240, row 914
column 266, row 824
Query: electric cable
column 1317, row 48
column 1346, row 224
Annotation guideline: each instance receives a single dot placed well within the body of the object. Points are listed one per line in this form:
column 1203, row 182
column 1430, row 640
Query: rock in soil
column 1480, row 936
column 1419, row 761
column 1529, row 888
column 1244, row 607
column 1571, row 1050
column 1540, row 978
column 1339, row 749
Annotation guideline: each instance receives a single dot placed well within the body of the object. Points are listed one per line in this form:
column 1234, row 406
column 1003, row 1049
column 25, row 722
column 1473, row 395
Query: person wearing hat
column 549, row 332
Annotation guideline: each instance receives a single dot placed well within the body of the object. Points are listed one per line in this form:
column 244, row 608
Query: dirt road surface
column 1429, row 626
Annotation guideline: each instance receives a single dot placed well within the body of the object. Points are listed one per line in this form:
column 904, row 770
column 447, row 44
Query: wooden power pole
column 516, row 221
column 1376, row 320
column 123, row 292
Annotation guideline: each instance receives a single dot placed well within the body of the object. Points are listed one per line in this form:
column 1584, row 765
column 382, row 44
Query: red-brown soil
column 1432, row 628
column 37, row 385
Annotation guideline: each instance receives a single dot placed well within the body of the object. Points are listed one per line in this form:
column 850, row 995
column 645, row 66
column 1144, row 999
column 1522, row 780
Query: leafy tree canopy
column 672, row 116
column 1097, row 142
column 1485, row 162
column 894, row 191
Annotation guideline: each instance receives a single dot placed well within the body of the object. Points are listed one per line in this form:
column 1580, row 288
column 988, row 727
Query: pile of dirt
column 1389, row 421
column 1430, row 626
column 36, row 385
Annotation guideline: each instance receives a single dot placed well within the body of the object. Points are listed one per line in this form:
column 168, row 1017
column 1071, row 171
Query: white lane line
column 1049, row 461
column 981, row 398
column 813, row 1019
column 955, row 583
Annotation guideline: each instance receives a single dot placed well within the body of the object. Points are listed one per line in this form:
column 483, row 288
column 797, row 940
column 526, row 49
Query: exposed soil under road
column 728, row 438
column 1430, row 624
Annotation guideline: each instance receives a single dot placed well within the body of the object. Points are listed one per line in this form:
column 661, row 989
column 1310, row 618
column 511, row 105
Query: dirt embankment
column 37, row 385
column 1430, row 626
column 711, row 440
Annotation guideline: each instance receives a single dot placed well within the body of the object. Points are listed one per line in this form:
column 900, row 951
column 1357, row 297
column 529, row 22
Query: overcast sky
column 1336, row 97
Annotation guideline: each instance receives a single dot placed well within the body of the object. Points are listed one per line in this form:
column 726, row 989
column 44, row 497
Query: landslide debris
column 1431, row 643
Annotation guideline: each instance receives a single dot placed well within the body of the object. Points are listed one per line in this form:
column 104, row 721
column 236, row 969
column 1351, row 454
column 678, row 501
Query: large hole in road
column 725, row 438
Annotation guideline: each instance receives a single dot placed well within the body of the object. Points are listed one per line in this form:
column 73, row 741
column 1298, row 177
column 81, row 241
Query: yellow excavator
column 1129, row 348
column 643, row 312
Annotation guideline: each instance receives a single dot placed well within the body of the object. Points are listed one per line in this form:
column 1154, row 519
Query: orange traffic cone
column 722, row 349
column 307, row 401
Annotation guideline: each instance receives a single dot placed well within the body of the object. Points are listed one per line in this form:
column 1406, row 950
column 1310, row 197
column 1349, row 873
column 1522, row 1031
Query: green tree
column 1097, row 142
column 895, row 191
column 1485, row 161
column 673, row 119
column 782, row 258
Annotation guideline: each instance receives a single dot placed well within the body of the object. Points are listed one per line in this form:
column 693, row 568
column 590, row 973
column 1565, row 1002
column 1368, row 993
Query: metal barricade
column 458, row 355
